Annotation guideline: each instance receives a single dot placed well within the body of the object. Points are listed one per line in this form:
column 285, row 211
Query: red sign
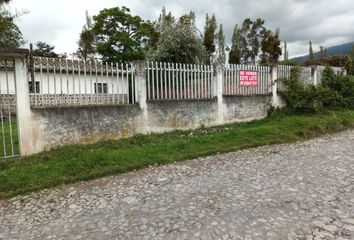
column 248, row 78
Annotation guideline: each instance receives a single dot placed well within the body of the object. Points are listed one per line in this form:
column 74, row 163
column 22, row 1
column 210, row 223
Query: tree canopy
column 119, row 36
column 235, row 53
column 10, row 34
column 43, row 49
column 86, row 48
column 177, row 40
column 209, row 35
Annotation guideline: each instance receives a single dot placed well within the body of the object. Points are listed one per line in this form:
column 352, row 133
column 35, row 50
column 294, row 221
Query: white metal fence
column 283, row 71
column 234, row 76
column 61, row 82
column 169, row 81
column 8, row 118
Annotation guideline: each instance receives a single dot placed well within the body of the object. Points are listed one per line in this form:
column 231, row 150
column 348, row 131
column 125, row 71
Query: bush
column 301, row 98
column 343, row 85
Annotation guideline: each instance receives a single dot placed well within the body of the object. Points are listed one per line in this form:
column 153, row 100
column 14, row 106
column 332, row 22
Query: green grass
column 7, row 128
column 74, row 163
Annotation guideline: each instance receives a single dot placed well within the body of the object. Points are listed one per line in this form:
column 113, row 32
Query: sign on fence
column 248, row 78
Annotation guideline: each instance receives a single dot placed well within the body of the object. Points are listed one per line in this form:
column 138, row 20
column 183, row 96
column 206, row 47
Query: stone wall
column 71, row 125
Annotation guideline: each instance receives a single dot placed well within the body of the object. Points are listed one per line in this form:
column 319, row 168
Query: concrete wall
column 60, row 126
column 245, row 108
column 45, row 128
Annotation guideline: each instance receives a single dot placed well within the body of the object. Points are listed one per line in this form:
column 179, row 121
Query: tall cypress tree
column 286, row 53
column 209, row 35
column 311, row 53
column 235, row 52
column 221, row 46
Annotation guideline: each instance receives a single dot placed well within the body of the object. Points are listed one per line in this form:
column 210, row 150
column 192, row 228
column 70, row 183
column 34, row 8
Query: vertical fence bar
column 165, row 80
column 91, row 87
column 148, row 80
column 85, row 81
column 173, row 81
column 48, row 91
column 118, row 82
column 67, row 79
column 3, row 133
column 79, row 80
column 184, row 82
column 127, row 82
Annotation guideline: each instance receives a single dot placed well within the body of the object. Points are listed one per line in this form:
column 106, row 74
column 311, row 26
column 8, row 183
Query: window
column 31, row 89
column 100, row 87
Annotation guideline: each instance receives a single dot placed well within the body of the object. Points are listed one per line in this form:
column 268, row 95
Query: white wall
column 51, row 83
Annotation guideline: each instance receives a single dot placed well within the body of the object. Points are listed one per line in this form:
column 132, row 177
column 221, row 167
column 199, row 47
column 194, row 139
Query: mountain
column 343, row 49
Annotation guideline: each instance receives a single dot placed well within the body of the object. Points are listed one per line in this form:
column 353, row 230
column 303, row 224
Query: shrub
column 343, row 85
column 301, row 98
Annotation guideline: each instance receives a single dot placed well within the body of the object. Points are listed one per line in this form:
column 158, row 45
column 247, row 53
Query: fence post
column 315, row 75
column 24, row 117
column 141, row 90
column 275, row 100
column 218, row 75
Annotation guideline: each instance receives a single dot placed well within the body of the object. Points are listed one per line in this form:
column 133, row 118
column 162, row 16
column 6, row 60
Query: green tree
column 43, row 49
column 349, row 66
column 286, row 52
column 86, row 48
column 311, row 53
column 252, row 35
column 209, row 34
column 235, row 53
column 10, row 34
column 119, row 36
column 322, row 52
column 221, row 57
column 178, row 41
column 271, row 49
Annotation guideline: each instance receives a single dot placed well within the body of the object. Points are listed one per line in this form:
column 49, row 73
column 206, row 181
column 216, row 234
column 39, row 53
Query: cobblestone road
column 292, row 191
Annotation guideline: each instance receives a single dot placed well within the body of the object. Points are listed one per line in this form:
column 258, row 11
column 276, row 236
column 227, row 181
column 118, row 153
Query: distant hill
column 343, row 49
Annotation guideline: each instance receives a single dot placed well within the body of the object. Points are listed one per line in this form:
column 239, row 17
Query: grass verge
column 74, row 163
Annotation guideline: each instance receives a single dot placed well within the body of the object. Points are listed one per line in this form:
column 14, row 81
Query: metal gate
column 9, row 141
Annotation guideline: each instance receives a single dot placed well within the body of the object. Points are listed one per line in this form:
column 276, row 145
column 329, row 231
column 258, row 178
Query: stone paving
column 291, row 191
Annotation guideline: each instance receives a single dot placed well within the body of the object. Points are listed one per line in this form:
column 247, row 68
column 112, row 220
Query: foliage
column 221, row 57
column 286, row 52
column 43, row 49
column 343, row 85
column 335, row 92
column 350, row 63
column 271, row 50
column 235, row 53
column 256, row 38
column 209, row 35
column 311, row 53
column 75, row 163
column 86, row 48
column 10, row 34
column 119, row 36
column 178, row 41
column 334, row 61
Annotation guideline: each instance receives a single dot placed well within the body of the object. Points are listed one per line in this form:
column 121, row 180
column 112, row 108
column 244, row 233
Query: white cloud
column 324, row 22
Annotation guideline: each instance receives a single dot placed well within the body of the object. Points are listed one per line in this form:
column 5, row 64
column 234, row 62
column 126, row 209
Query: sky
column 324, row 22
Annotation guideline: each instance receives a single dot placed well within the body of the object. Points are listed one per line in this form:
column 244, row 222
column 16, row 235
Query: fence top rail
column 177, row 66
column 44, row 63
column 7, row 53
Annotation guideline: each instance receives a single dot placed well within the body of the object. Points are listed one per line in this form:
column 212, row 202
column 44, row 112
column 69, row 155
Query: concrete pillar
column 315, row 75
column 141, row 90
column 219, row 85
column 24, row 117
column 275, row 98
